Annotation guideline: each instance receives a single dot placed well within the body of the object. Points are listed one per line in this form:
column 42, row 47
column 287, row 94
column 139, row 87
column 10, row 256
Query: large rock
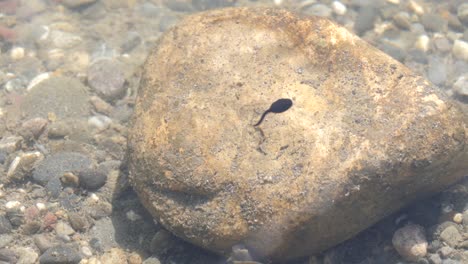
column 364, row 136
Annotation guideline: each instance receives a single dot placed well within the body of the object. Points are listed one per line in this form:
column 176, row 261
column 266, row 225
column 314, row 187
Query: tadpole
column 278, row 106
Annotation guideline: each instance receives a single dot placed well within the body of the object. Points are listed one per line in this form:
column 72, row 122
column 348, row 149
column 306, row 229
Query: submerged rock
column 363, row 137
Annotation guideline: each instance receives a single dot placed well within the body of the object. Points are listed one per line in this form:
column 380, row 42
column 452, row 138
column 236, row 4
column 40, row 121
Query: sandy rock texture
column 364, row 136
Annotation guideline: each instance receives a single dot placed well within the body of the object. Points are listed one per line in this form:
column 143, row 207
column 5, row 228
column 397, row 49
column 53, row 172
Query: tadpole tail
column 261, row 119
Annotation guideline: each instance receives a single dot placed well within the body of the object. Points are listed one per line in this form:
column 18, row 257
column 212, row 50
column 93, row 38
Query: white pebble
column 94, row 197
column 460, row 49
column 132, row 216
column 422, row 43
column 339, row 8
column 278, row 2
column 461, row 85
column 395, row 2
column 86, row 251
column 12, row 204
column 17, row 53
column 41, row 206
column 416, row 7
column 99, row 122
column 38, row 79
column 458, row 218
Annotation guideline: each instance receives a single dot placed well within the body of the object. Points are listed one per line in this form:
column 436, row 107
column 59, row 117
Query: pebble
column 461, row 87
column 17, row 53
column 434, row 259
column 76, row 3
column 8, row 256
column 434, row 22
column 23, row 164
column 402, row 20
column 339, row 8
column 63, row 229
column 33, row 128
column 462, row 13
column 442, row 44
column 38, row 79
column 460, row 49
column 320, row 10
column 445, row 251
column 437, row 71
column 151, row 260
column 162, row 242
column 422, row 43
column 5, row 225
column 451, row 236
column 107, row 78
column 60, row 254
column 458, row 218
column 99, row 122
column 64, row 40
column 5, row 240
column 26, row 255
column 86, row 251
column 78, row 222
column 58, row 130
column 114, row 256
column 100, row 105
column 42, row 242
column 365, row 19
column 416, row 7
column 10, row 144
column 92, row 179
column 410, row 242
column 49, row 171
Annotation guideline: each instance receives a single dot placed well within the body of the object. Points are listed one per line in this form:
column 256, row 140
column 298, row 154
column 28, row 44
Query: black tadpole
column 278, row 106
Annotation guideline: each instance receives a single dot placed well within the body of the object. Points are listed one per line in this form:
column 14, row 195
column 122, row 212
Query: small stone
column 434, row 259
column 416, row 7
column 12, row 205
column 451, row 236
column 455, row 23
column 365, row 19
column 58, row 130
column 434, row 22
column 62, row 228
column 395, row 2
column 442, row 44
column 100, row 122
column 106, row 77
column 8, row 256
column 42, row 242
column 33, row 128
column 437, row 71
column 5, row 225
column 402, row 20
column 445, row 251
column 23, row 164
column 40, row 206
column 76, row 3
column 410, row 242
column 422, row 43
column 461, row 87
column 134, row 258
column 320, row 10
column 31, row 228
column 100, row 105
column 86, row 251
column 92, row 179
column 460, row 49
column 17, row 53
column 339, row 8
column 458, row 218
column 114, row 256
column 64, row 40
column 10, row 144
column 78, row 222
column 26, row 255
column 132, row 216
column 60, row 254
column 462, row 13
column 49, row 221
column 151, row 260
column 69, row 179
column 5, row 240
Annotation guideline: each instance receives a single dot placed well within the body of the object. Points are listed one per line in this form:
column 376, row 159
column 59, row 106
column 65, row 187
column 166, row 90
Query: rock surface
column 364, row 135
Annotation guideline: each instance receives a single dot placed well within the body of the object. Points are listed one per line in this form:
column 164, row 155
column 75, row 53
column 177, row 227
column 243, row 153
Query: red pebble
column 31, row 213
column 49, row 221
column 7, row 34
